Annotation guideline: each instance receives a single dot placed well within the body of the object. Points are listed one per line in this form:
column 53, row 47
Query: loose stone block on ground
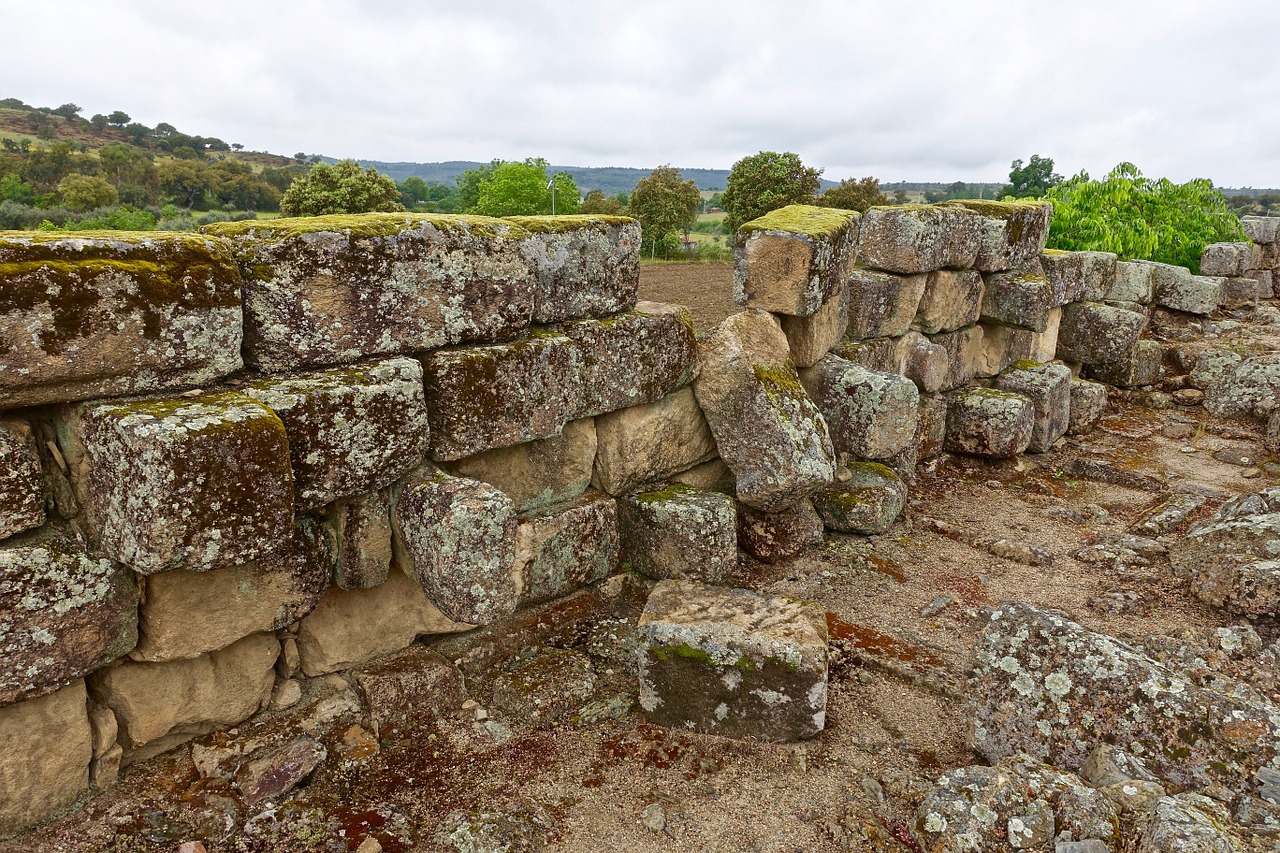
column 583, row 266
column 647, row 443
column 566, row 547
column 1142, row 366
column 45, row 749
column 773, row 536
column 794, row 259
column 1092, row 333
column 987, row 422
column 916, row 238
column 543, row 472
column 1251, row 387
column 1048, row 387
column 882, row 304
column 867, row 502
column 678, row 531
column 1010, row 233
column 870, row 414
column 21, row 490
column 1088, row 403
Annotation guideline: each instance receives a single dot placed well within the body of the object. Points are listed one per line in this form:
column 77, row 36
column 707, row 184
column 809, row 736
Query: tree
column 523, row 189
column 85, row 192
column 469, row 185
column 67, row 111
column 851, row 194
column 341, row 188
column 186, row 181
column 13, row 188
column 767, row 181
column 597, row 202
column 414, row 189
column 99, row 122
column 664, row 204
column 119, row 118
column 1032, row 180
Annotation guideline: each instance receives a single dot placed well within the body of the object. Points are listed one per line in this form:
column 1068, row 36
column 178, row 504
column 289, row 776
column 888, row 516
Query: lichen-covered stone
column 95, row 315
column 1135, row 282
column 1266, row 282
column 871, row 415
column 794, row 259
column 63, row 614
column 965, row 354
column 45, row 749
column 21, row 490
column 813, row 337
column 1018, row 299
column 1186, row 823
column 916, row 238
column 1142, row 365
column 1211, row 366
column 496, row 396
column 196, row 483
column 1239, row 292
column 766, row 427
column 1088, row 404
column 952, row 300
column 583, row 266
column 334, row 289
column 554, row 684
column 458, row 538
column 1048, row 387
column 1002, row 346
column 987, row 422
column 1010, row 233
column 634, row 358
column 931, row 435
column 1250, row 388
column 1261, row 229
column 882, row 304
column 1065, row 273
column 566, row 547
column 1232, row 560
column 866, row 503
column 773, row 536
column 647, row 443
column 874, row 354
column 360, row 528
column 351, row 429
column 1099, row 275
column 732, row 662
column 1092, row 333
column 1175, row 287
column 1229, row 259
column 679, row 531
column 185, row 614
column 922, row 361
column 540, row 473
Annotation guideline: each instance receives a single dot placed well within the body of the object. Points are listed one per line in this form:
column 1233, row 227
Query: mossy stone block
column 1135, row 282
column 678, row 531
column 866, row 503
column 1048, row 387
column 1010, row 233
column 1142, row 365
column 583, row 266
column 952, row 299
column 563, row 548
column 794, row 259
column 1019, row 299
column 987, row 422
column 21, row 490
column 774, row 536
column 882, row 304
column 97, row 315
column 918, row 238
column 1091, row 333
column 647, row 443
column 1176, row 288
column 871, row 414
column 733, row 662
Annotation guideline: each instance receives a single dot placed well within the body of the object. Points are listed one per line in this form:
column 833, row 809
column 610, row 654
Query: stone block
column 1229, row 259
column 1088, row 404
column 45, row 749
column 813, row 337
column 1266, row 282
column 866, row 503
column 63, row 614
column 931, row 435
column 543, row 472
column 352, row 429
column 794, row 259
column 326, row 290
column 1065, row 274
column 634, row 358
column 965, row 355
column 870, row 414
column 457, row 537
column 1250, row 388
column 732, row 662
column 952, row 300
column 1018, row 299
column 98, row 316
column 161, row 705
column 583, row 266
column 360, row 528
column 185, row 614
column 875, row 354
column 1261, row 229
column 1048, row 387
column 679, row 532
column 563, row 548
column 882, row 304
column 1176, row 288
column 1092, row 333
column 1141, row 366
column 1002, row 346
column 21, row 488
column 1212, row 366
column 197, row 483
column 403, row 689
column 1011, row 233
column 766, row 427
column 1239, row 292
column 1099, row 275
column 988, row 422
column 647, row 443
column 773, row 536
column 1135, row 282
column 713, row 476
column 922, row 361
column 496, row 396
column 916, row 238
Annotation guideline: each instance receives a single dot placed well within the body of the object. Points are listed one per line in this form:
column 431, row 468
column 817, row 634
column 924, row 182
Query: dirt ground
column 897, row 681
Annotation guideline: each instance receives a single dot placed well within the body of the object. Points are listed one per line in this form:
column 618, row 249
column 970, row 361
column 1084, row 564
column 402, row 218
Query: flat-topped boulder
column 583, row 265
column 1134, row 282
column 916, row 238
column 1010, row 233
column 678, row 531
column 1177, row 288
column 988, row 422
column 794, row 259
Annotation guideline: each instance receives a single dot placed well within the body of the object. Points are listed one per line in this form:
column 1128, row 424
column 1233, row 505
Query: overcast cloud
column 921, row 90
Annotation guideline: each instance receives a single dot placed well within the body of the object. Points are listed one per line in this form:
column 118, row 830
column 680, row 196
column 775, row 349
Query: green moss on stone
column 1026, row 364
column 802, row 219
column 364, row 225
column 666, row 493
column 571, row 222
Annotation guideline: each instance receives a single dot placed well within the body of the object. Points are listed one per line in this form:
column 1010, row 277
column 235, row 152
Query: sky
column 927, row 90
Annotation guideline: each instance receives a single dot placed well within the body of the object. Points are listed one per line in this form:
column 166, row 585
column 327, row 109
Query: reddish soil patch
column 706, row 289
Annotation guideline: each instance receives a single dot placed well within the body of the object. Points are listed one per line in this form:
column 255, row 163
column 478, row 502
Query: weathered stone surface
column 634, row 358
column 548, row 471
column 583, row 266
column 1251, row 388
column 1271, row 439
column 794, row 259
column 1266, row 282
column 931, row 435
column 351, row 429
column 915, row 238
column 766, row 427
column 1135, row 282
column 1088, row 403
column 1229, row 259
column 360, row 528
column 651, row 442
column 922, row 361
column 773, row 536
column 1018, row 299
column 458, row 538
column 1065, row 273
column 1212, row 366
column 1011, row 233
column 875, row 354
column 952, row 300
column 554, row 684
column 1100, row 270
column 566, row 547
column 679, row 532
column 1143, row 365
column 986, row 422
column 63, row 614
column 280, row 770
column 349, row 627
column 1092, row 333
column 45, row 749
column 1044, row 685
column 94, row 316
column 1239, row 292
column 964, row 354
column 1186, row 822
column 813, row 337
column 21, row 491
column 732, row 662
column 414, row 684
column 1002, row 346
column 871, row 415
column 1233, row 559
column 882, row 304
column 335, row 289
column 1048, row 387
column 497, row 396
column 195, row 483
column 1261, row 229
column 713, row 476
column 160, row 705
column 867, row 502
column 1177, row 288
column 185, row 614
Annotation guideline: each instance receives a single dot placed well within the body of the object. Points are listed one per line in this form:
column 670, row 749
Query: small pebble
column 939, row 604
column 654, row 817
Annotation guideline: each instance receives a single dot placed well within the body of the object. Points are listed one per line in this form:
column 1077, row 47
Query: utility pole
column 551, row 185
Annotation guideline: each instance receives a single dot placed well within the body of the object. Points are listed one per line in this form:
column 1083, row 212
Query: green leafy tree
column 469, row 185
column 767, row 181
column 119, row 118
column 1137, row 217
column 341, row 188
column 1033, row 179
column 13, row 188
column 85, row 192
column 851, row 194
column 597, row 202
column 99, row 122
column 414, row 189
column 186, row 181
column 523, row 189
column 67, row 111
column 664, row 204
